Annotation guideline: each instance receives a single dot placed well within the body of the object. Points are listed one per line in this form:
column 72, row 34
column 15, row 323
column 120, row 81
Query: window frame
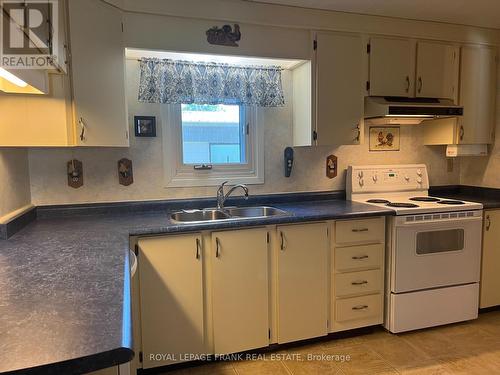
column 177, row 174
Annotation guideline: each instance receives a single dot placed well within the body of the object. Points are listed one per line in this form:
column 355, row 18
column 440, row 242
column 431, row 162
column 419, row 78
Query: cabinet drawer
column 358, row 257
column 358, row 307
column 364, row 230
column 364, row 282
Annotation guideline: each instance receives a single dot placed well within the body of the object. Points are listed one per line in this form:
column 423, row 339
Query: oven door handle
column 471, row 219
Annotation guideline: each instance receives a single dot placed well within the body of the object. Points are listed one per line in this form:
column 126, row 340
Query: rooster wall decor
column 224, row 36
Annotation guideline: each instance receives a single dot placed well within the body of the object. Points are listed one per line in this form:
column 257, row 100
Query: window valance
column 177, row 82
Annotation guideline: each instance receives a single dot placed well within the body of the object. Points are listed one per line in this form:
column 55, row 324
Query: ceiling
column 484, row 13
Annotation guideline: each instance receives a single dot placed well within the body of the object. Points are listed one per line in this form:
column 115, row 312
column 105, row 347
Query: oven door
column 434, row 253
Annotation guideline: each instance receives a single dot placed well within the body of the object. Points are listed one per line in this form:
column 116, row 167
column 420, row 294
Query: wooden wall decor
column 224, row 36
column 125, row 172
column 75, row 173
column 331, row 166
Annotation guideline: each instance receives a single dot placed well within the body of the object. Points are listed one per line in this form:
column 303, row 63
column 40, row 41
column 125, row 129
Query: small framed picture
column 145, row 126
column 384, row 138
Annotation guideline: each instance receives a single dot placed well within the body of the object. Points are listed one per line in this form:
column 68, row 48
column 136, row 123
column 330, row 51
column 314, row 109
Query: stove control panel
column 386, row 178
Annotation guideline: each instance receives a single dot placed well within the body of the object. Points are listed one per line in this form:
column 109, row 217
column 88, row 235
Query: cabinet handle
column 359, row 282
column 358, row 136
column 360, row 307
column 360, row 257
column 82, row 125
column 488, row 222
column 462, row 132
column 198, row 246
column 356, row 230
column 282, row 241
column 407, row 83
column 420, row 84
column 217, row 247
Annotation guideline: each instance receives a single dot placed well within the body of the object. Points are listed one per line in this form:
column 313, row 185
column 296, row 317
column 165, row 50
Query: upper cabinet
column 339, row 93
column 85, row 107
column 405, row 68
column 98, row 71
column 437, row 71
column 392, row 67
column 478, row 78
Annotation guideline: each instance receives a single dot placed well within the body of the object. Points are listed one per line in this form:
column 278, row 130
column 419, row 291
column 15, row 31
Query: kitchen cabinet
column 357, row 273
column 98, row 72
column 302, row 278
column 437, row 70
column 490, row 277
column 477, row 94
column 107, row 371
column 392, row 67
column 171, row 297
column 240, row 290
column 405, row 68
column 339, row 89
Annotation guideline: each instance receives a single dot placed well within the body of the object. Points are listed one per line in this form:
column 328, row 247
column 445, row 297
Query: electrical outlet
column 331, row 166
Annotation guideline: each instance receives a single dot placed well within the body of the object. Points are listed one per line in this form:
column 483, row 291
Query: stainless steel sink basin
column 230, row 213
column 260, row 211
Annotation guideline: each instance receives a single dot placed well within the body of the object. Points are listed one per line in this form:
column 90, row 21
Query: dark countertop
column 64, row 281
column 489, row 197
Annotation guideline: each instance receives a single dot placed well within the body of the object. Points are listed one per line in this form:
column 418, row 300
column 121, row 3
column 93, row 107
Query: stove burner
column 401, row 205
column 450, row 202
column 425, row 199
column 377, row 201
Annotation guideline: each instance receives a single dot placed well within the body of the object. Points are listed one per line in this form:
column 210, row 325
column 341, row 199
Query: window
column 205, row 145
column 213, row 134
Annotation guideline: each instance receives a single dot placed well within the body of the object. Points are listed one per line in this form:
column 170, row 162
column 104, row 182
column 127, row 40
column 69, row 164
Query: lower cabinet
column 357, row 273
column 171, row 294
column 240, row 290
column 302, row 279
column 490, row 277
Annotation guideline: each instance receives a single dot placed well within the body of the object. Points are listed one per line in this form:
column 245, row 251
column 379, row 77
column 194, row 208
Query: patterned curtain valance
column 177, row 82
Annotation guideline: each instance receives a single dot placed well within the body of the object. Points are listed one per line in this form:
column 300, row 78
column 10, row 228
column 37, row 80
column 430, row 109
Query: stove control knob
column 419, row 172
column 361, row 182
column 375, row 178
column 407, row 178
column 360, row 174
column 419, row 180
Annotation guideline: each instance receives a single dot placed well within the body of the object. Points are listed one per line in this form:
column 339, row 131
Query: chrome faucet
column 221, row 198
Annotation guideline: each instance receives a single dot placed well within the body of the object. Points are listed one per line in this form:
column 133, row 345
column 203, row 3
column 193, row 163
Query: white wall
column 48, row 166
column 14, row 181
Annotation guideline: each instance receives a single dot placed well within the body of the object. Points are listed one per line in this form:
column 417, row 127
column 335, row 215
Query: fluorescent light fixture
column 12, row 78
column 414, row 116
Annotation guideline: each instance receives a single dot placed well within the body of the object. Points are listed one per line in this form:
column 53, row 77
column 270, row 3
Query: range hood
column 24, row 81
column 407, row 111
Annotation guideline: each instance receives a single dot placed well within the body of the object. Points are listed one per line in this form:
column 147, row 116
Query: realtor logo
column 29, row 32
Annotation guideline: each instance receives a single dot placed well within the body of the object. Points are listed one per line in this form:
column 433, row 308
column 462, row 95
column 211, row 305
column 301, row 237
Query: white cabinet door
column 437, row 70
column 392, row 67
column 171, row 297
column 98, row 73
column 340, row 78
column 478, row 76
column 302, row 281
column 240, row 297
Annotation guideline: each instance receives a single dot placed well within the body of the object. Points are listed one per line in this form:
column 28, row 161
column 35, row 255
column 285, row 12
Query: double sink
column 229, row 213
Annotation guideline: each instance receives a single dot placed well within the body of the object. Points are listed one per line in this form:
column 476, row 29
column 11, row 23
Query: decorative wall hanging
column 185, row 82
column 125, row 172
column 145, row 126
column 224, row 36
column 75, row 173
column 331, row 166
column 384, row 138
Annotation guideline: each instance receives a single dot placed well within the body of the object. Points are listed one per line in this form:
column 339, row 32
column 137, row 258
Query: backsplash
column 48, row 166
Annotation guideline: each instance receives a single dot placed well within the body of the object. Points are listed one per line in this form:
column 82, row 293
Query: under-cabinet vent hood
column 24, row 81
column 407, row 111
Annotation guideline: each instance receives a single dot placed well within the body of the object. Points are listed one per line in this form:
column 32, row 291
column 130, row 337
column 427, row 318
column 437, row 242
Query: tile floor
column 465, row 348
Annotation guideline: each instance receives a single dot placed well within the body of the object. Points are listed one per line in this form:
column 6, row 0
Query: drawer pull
column 360, row 307
column 359, row 282
column 356, row 230
column 360, row 257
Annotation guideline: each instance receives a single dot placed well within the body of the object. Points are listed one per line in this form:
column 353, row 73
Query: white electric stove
column 433, row 249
